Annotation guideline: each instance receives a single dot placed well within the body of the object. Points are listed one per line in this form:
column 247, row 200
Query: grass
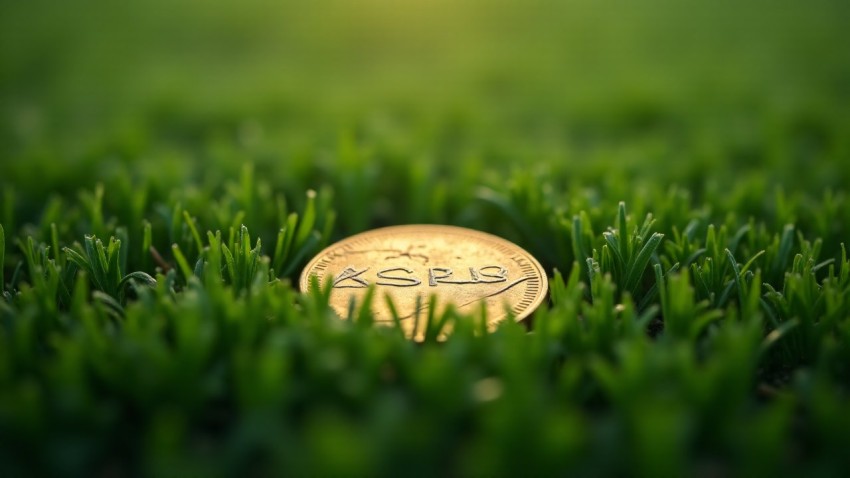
column 680, row 172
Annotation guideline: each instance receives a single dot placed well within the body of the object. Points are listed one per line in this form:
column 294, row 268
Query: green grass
column 167, row 169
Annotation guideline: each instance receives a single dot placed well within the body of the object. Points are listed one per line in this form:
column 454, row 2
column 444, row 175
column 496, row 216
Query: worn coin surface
column 467, row 268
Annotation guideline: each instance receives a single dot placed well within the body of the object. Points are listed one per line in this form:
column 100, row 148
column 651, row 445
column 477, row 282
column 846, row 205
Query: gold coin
column 466, row 268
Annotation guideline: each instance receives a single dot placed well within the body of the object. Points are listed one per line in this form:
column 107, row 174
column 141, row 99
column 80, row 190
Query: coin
column 464, row 267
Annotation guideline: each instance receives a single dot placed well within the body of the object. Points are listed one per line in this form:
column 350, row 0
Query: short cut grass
column 679, row 171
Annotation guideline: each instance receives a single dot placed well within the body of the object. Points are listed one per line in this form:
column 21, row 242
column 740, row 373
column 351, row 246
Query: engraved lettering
column 433, row 278
column 475, row 276
column 501, row 274
column 353, row 279
column 400, row 281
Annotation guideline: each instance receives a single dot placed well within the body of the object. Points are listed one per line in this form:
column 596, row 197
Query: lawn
column 680, row 170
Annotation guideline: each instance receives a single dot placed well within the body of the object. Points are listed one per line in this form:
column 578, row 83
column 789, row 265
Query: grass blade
column 181, row 262
column 193, row 230
column 638, row 266
column 140, row 277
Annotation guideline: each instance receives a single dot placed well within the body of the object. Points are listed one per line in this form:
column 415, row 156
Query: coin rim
column 304, row 279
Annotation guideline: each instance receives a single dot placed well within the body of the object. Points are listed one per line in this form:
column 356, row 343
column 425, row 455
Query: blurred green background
column 704, row 92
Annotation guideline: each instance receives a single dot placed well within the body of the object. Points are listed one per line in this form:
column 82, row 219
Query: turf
column 679, row 169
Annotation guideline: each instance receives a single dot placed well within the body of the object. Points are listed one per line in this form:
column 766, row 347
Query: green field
column 679, row 168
